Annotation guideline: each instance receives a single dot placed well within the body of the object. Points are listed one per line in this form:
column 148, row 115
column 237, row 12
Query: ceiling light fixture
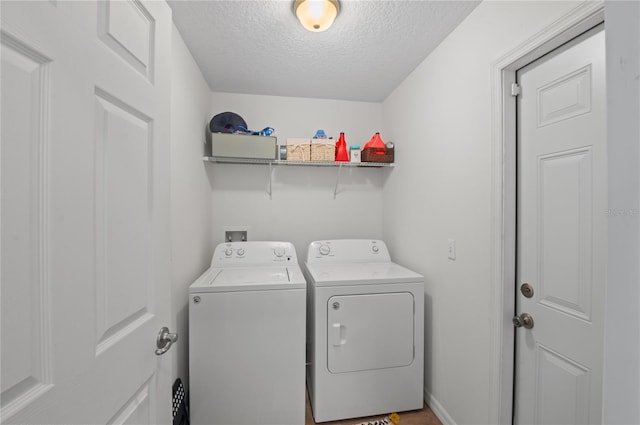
column 316, row 15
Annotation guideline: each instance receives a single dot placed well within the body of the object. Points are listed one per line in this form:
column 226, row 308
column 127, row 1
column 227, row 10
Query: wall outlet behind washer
column 235, row 236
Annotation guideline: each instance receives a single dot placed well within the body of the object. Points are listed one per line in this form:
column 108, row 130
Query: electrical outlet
column 451, row 250
column 235, row 236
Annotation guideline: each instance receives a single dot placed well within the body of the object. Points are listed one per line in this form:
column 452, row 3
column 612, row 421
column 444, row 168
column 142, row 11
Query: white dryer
column 365, row 331
column 247, row 337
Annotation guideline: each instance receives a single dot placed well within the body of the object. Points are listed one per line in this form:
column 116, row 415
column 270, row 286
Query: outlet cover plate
column 235, row 236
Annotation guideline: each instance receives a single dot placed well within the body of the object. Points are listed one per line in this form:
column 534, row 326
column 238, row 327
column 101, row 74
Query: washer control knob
column 325, row 249
column 228, row 252
column 278, row 251
column 375, row 248
column 240, row 252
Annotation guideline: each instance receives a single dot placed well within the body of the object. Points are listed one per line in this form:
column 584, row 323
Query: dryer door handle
column 338, row 331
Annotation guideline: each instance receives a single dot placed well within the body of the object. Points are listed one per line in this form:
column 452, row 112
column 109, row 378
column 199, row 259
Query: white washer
column 247, row 337
column 365, row 326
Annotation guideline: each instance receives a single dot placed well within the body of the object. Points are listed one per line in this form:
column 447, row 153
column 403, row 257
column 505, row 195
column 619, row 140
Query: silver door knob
column 164, row 341
column 523, row 321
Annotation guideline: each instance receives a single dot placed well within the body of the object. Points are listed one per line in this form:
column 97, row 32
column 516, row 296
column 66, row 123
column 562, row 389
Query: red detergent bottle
column 341, row 149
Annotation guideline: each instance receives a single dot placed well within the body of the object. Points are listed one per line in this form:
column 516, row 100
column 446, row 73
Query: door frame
column 503, row 195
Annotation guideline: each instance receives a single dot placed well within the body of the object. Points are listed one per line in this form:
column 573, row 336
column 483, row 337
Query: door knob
column 164, row 341
column 523, row 321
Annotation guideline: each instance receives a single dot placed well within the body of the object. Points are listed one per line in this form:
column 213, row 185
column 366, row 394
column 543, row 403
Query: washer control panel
column 253, row 253
column 348, row 250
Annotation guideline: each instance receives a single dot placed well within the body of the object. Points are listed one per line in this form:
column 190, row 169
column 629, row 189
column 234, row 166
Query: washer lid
column 367, row 273
column 235, row 279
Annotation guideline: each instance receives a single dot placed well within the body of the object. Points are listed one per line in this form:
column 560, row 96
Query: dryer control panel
column 253, row 253
column 351, row 250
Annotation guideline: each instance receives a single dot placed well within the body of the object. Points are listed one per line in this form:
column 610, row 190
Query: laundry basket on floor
column 180, row 412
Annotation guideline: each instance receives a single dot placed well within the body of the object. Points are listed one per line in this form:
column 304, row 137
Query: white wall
column 302, row 208
column 190, row 191
column 440, row 119
column 622, row 327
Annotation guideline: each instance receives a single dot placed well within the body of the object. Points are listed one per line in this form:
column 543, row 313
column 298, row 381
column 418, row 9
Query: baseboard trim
column 438, row 409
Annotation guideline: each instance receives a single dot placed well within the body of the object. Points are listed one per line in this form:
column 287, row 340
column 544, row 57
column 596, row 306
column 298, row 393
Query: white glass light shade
column 316, row 15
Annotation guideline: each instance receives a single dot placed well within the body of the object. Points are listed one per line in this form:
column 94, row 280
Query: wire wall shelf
column 275, row 162
column 226, row 160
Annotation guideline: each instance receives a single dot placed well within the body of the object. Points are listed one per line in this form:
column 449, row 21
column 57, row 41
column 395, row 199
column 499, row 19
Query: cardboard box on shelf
column 323, row 150
column 298, row 149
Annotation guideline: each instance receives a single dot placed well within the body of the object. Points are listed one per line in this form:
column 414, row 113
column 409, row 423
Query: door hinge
column 515, row 89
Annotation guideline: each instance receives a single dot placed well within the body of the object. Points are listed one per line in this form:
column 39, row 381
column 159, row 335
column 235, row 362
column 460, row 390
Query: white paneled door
column 562, row 243
column 85, row 211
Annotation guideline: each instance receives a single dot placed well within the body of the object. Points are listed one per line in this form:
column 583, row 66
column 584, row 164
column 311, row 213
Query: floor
column 423, row 416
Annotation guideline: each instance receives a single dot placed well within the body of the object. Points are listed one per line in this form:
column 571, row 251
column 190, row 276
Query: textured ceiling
column 259, row 47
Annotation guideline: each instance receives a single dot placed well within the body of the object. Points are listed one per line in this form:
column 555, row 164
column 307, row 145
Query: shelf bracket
column 270, row 179
column 335, row 190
